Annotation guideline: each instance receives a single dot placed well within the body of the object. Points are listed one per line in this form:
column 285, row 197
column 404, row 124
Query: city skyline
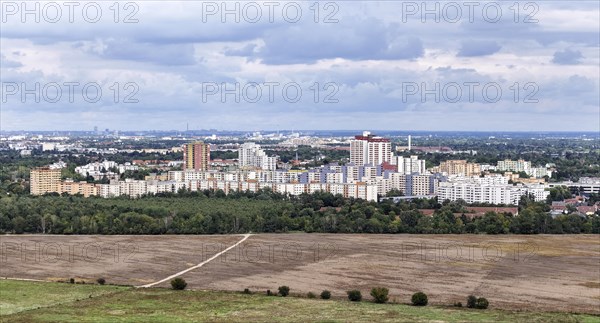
column 300, row 160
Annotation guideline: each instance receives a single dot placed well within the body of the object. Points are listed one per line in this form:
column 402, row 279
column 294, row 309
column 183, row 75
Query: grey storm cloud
column 567, row 57
column 348, row 39
column 478, row 48
column 247, row 50
column 165, row 54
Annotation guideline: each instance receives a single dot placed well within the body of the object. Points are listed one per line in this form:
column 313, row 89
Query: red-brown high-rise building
column 196, row 156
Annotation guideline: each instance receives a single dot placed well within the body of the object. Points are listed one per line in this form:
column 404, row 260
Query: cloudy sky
column 389, row 65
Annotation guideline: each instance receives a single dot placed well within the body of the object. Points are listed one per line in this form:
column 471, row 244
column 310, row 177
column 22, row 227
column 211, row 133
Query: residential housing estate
column 373, row 171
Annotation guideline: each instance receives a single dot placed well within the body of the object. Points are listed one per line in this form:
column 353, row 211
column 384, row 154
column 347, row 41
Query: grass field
column 24, row 301
column 18, row 296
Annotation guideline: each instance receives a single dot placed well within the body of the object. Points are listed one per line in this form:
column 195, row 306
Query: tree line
column 213, row 212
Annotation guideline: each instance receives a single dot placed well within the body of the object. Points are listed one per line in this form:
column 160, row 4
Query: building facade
column 484, row 193
column 370, row 149
column 514, row 166
column 458, row 167
column 44, row 180
column 196, row 156
column 251, row 155
column 410, row 165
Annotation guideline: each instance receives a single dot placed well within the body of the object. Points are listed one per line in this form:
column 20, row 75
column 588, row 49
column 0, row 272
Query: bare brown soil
column 133, row 260
column 543, row 272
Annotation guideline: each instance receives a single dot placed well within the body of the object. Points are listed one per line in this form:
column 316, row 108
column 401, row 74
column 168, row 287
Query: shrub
column 380, row 294
column 269, row 292
column 325, row 294
column 284, row 291
column 178, row 283
column 71, row 280
column 458, row 304
column 101, row 281
column 482, row 303
column 246, row 291
column 419, row 299
column 471, row 300
column 311, row 295
column 354, row 295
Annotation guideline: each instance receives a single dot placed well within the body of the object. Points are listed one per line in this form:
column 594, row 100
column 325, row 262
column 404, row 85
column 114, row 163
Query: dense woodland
column 211, row 212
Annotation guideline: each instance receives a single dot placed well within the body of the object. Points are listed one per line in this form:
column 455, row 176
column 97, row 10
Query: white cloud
column 369, row 54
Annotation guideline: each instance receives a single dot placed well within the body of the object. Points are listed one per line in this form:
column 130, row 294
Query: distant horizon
column 358, row 131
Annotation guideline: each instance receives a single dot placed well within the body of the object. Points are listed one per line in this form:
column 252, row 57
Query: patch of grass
column 160, row 305
column 17, row 296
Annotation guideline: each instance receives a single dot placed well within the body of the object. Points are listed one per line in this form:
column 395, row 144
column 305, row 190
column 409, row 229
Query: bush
column 325, row 294
column 246, row 291
column 458, row 304
column 471, row 301
column 71, row 280
column 269, row 293
column 284, row 291
column 178, row 283
column 482, row 303
column 311, row 295
column 354, row 295
column 101, row 281
column 419, row 299
column 380, row 294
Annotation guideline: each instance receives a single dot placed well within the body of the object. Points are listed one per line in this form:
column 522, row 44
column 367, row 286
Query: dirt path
column 246, row 236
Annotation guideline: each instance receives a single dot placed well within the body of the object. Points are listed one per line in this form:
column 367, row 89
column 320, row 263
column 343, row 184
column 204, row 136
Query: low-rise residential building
column 585, row 185
column 523, row 166
column 457, row 167
column 83, row 188
column 489, row 193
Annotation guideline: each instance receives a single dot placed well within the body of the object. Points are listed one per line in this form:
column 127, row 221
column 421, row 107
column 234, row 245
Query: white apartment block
column 334, row 178
column 540, row 172
column 370, row 149
column 251, row 155
column 484, row 193
column 133, row 188
column 418, row 185
column 100, row 169
column 370, row 172
column 95, row 168
column 514, row 166
column 413, row 185
column 155, row 187
column 349, row 190
column 538, row 191
column 410, row 165
column 109, row 190
column 523, row 166
column 491, row 179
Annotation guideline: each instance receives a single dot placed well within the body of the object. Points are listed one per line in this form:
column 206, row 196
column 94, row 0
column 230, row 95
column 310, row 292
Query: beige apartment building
column 458, row 167
column 44, row 180
column 83, row 188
